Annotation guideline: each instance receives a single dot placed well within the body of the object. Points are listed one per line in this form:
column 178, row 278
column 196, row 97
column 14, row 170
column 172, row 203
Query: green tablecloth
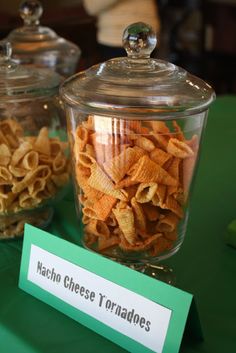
column 204, row 266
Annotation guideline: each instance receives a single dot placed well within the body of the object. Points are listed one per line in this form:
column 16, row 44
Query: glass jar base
column 160, row 272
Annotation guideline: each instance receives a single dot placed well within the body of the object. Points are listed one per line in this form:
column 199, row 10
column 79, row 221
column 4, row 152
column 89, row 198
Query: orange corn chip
column 111, row 220
column 117, row 167
column 139, row 245
column 171, row 235
column 159, row 156
column 89, row 239
column 179, row 148
column 144, row 143
column 104, row 206
column 148, row 171
column 161, row 245
column 100, row 153
column 159, row 126
column 105, row 243
column 162, row 140
column 89, row 212
column 168, row 223
column 139, row 215
column 81, row 138
column 125, row 219
column 131, row 191
column 145, row 192
column 137, row 127
column 173, row 169
column 160, row 195
column 126, row 182
column 152, row 212
column 85, row 159
column 179, row 133
column 188, row 169
column 89, row 192
column 89, row 123
column 98, row 228
column 172, row 205
column 100, row 181
column 85, row 219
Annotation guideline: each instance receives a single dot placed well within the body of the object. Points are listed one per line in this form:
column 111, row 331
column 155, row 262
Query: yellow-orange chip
column 125, row 219
column 148, row 171
column 179, row 149
column 139, row 216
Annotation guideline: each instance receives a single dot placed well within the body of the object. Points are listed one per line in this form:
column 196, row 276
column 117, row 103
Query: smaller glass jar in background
column 135, row 126
column 39, row 46
column 34, row 168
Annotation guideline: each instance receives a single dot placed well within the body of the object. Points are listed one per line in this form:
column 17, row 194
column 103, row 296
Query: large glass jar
column 34, row 170
column 40, row 46
column 135, row 126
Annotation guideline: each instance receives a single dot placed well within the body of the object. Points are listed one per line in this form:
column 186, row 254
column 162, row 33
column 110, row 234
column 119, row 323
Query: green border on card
column 176, row 300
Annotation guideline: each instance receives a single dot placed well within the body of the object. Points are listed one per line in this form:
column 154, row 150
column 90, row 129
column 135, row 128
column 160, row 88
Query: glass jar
column 39, row 46
column 135, row 126
column 34, row 170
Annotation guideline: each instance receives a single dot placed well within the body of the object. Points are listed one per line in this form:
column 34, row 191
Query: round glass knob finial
column 31, row 11
column 5, row 51
column 139, row 40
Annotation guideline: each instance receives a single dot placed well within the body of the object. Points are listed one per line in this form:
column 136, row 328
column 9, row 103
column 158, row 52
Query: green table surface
column 205, row 266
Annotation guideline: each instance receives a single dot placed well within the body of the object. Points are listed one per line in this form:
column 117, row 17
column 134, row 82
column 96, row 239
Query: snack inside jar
column 132, row 183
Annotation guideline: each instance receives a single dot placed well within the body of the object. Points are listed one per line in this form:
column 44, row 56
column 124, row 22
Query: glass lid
column 33, row 38
column 138, row 84
column 18, row 82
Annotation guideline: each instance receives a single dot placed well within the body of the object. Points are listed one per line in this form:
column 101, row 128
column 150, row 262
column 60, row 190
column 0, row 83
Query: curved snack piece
column 42, row 171
column 139, row 216
column 98, row 228
column 30, row 160
column 11, row 127
column 5, row 176
column 81, row 138
column 42, row 143
column 20, row 152
column 179, row 149
column 105, row 243
column 103, row 206
column 139, row 245
column 5, row 155
column 125, row 219
column 117, row 167
column 132, row 175
column 100, row 181
column 162, row 244
column 145, row 192
column 168, row 223
column 147, row 171
column 159, row 156
column 86, row 159
column 36, row 187
column 145, row 144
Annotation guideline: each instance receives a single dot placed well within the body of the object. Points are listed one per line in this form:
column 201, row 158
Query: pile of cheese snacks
column 13, row 226
column 32, row 168
column 133, row 179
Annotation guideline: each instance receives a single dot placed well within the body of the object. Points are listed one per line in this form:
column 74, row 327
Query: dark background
column 197, row 35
